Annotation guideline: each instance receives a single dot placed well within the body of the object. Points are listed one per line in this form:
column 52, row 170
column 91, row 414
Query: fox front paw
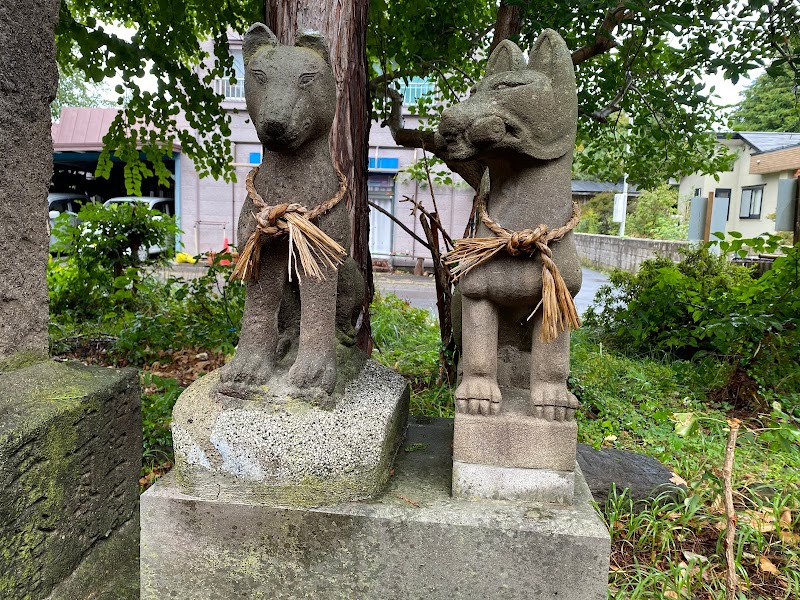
column 313, row 372
column 553, row 402
column 478, row 395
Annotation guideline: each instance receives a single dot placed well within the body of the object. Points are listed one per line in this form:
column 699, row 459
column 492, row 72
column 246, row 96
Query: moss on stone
column 20, row 360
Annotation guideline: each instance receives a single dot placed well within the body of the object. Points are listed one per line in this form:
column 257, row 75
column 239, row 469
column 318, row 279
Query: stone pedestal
column 514, row 456
column 412, row 542
column 277, row 449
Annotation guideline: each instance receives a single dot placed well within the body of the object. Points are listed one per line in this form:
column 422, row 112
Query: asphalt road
column 421, row 291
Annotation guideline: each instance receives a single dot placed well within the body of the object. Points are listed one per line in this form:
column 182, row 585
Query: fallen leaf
column 787, row 537
column 762, row 521
column 694, row 556
column 413, row 503
column 670, row 594
column 767, row 566
column 685, row 423
column 786, row 519
column 677, row 479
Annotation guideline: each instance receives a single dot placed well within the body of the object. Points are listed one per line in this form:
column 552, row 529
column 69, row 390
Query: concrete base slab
column 412, row 542
column 512, row 483
column 515, row 439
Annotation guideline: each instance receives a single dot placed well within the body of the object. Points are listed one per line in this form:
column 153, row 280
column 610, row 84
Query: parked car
column 64, row 202
column 162, row 205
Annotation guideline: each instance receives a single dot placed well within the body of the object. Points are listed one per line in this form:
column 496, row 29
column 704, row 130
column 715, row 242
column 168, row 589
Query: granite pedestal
column 278, row 449
column 414, row 541
column 514, row 456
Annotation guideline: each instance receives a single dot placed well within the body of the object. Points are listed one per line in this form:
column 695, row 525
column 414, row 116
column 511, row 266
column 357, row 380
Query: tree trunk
column 508, row 23
column 344, row 25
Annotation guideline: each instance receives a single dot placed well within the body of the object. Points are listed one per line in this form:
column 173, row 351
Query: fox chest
column 517, row 280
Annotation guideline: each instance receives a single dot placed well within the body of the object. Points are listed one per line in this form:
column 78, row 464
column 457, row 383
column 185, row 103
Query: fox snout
column 461, row 135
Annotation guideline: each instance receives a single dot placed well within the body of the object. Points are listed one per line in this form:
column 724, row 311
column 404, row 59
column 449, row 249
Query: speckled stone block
column 514, row 456
column 70, row 457
column 413, row 542
column 282, row 450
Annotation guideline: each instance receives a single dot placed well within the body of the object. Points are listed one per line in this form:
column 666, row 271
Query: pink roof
column 82, row 129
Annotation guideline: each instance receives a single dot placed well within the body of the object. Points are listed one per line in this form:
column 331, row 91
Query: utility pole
column 624, row 202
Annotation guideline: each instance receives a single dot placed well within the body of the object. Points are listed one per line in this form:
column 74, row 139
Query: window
column 415, row 89
column 724, row 195
column 751, row 202
column 698, row 192
column 232, row 91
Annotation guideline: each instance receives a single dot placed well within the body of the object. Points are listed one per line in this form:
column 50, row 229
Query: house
column 583, row 191
column 77, row 143
column 757, row 195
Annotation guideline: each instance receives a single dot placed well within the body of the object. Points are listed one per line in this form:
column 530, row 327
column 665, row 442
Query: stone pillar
column 28, row 81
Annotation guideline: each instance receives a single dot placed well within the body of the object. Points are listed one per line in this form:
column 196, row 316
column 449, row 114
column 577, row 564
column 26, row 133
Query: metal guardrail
column 415, row 90
column 228, row 90
column 411, row 92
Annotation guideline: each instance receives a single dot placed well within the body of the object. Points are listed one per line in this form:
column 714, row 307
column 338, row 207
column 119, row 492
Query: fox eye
column 307, row 78
column 260, row 76
column 504, row 85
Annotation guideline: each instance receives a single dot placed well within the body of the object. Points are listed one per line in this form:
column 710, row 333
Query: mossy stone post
column 28, row 82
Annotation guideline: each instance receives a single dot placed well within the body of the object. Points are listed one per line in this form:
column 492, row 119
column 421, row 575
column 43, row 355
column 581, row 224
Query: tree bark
column 344, row 25
column 508, row 23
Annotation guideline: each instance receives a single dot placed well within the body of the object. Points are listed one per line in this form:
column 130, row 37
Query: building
column 210, row 208
column 757, row 195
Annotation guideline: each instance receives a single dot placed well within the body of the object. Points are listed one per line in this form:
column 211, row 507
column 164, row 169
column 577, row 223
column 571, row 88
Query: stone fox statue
column 520, row 122
column 291, row 97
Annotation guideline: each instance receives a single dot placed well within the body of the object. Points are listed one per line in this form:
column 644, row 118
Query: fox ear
column 551, row 56
column 258, row 36
column 506, row 57
column 315, row 41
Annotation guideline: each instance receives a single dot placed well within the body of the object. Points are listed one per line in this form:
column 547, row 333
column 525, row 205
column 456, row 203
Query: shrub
column 655, row 216
column 596, row 215
column 406, row 338
column 99, row 272
column 706, row 305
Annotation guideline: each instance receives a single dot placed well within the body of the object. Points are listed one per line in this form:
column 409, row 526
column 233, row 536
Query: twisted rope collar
column 307, row 240
column 558, row 306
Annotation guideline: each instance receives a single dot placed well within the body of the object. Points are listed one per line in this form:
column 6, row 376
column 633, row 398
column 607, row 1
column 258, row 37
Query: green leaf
column 685, row 423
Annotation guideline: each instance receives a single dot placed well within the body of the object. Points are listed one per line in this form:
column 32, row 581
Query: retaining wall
column 612, row 252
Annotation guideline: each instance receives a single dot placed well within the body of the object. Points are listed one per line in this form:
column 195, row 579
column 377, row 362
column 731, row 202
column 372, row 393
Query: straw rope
column 557, row 304
column 306, row 241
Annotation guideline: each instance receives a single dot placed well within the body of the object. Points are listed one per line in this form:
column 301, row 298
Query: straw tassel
column 310, row 246
column 558, row 307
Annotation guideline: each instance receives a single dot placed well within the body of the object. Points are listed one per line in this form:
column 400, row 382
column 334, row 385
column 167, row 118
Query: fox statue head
column 525, row 109
column 290, row 90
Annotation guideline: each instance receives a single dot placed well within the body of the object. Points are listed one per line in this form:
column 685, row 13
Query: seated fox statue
column 518, row 276
column 301, row 286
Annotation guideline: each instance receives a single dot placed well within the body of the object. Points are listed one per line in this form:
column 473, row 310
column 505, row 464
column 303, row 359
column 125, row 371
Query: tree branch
column 432, row 217
column 614, row 106
column 397, row 221
column 603, row 40
column 471, row 172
